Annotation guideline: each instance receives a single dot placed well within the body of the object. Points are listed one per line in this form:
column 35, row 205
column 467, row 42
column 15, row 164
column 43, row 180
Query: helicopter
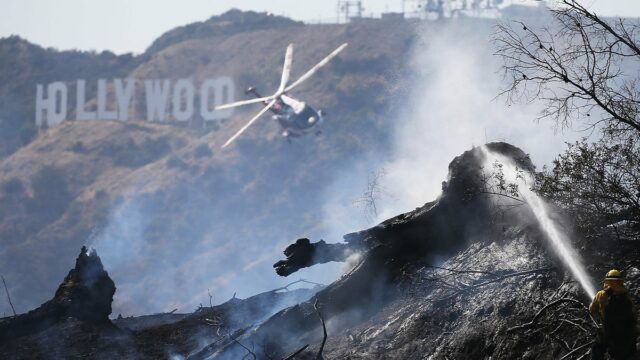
column 296, row 117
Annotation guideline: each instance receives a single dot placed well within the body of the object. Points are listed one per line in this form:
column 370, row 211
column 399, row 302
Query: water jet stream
column 557, row 239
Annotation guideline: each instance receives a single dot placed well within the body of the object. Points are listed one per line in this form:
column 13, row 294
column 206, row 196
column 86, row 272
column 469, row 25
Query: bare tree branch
column 8, row 296
column 550, row 305
column 461, row 271
column 290, row 357
column 581, row 347
column 575, row 69
column 286, row 287
column 324, row 331
column 497, row 279
column 249, row 351
column 372, row 194
column 565, row 312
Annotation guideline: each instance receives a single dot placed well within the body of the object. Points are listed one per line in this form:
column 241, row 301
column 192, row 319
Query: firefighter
column 613, row 306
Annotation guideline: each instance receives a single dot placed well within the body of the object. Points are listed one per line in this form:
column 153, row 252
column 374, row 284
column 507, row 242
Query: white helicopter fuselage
column 296, row 117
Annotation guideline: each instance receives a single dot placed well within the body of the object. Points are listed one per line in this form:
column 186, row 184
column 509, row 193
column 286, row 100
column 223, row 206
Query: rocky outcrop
column 85, row 294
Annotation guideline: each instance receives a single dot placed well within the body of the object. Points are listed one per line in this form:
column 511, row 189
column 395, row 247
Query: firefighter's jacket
column 600, row 300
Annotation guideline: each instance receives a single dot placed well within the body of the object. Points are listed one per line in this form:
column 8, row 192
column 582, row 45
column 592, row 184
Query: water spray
column 556, row 237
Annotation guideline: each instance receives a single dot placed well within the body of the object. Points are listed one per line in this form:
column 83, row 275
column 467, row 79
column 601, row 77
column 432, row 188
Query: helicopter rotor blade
column 246, row 126
column 313, row 70
column 286, row 68
column 244, row 102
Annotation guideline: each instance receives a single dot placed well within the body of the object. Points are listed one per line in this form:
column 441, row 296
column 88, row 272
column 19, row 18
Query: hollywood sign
column 164, row 100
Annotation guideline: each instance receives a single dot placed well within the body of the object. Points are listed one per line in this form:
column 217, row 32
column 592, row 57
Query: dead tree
column 575, row 68
column 583, row 68
column 372, row 194
column 8, row 296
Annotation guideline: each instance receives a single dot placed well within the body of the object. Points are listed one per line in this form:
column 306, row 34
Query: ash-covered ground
column 455, row 279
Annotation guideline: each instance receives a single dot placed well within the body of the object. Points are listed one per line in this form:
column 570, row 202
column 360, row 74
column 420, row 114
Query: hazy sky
column 131, row 25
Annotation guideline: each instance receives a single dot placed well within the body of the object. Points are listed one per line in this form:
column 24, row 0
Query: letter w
column 157, row 93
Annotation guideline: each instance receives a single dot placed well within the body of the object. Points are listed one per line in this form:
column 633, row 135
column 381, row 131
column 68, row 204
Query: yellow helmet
column 613, row 274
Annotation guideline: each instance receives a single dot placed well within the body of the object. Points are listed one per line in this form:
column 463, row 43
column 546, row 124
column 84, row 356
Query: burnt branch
column 286, row 287
column 8, row 296
column 581, row 347
column 456, row 271
column 497, row 279
column 560, row 318
column 249, row 351
column 205, row 352
column 545, row 308
column 324, row 331
column 296, row 353
column 303, row 253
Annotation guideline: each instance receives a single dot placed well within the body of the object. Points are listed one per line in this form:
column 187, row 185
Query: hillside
column 23, row 65
column 256, row 39
column 189, row 251
column 500, row 294
column 172, row 215
column 150, row 189
column 232, row 22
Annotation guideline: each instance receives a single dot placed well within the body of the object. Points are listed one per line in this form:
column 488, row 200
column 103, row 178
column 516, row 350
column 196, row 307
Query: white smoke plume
column 453, row 107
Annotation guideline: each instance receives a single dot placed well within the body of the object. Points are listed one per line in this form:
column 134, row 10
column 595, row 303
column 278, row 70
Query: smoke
column 170, row 248
column 226, row 240
column 121, row 241
column 158, row 277
column 452, row 107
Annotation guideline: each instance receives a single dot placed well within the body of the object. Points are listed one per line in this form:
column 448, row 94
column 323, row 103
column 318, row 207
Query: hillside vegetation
column 168, row 196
